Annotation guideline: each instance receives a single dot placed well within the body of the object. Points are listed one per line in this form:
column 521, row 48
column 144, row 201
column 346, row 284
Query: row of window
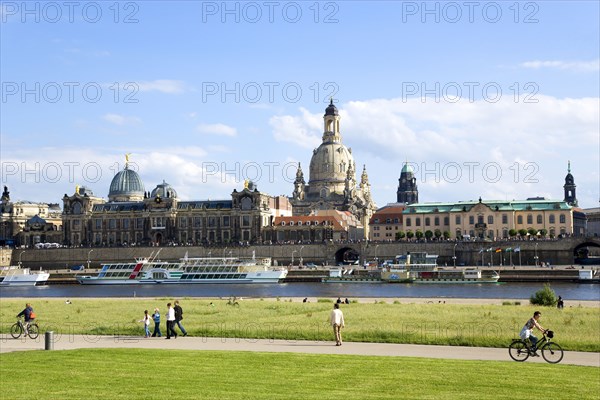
column 387, row 221
column 307, row 223
column 490, row 220
column 125, row 237
column 161, row 222
column 387, row 228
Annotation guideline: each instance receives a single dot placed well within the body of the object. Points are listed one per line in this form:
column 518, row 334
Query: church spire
column 331, row 131
column 569, row 187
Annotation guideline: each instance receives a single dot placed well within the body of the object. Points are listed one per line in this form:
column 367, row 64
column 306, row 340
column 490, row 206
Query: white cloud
column 463, row 150
column 304, row 130
column 122, row 120
column 162, row 85
column 579, row 66
column 217, row 129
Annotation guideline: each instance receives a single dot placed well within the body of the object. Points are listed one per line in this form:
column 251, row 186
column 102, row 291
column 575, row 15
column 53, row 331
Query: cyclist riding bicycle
column 526, row 332
column 29, row 316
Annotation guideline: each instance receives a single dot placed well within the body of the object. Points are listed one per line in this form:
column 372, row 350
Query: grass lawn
column 441, row 324
column 156, row 374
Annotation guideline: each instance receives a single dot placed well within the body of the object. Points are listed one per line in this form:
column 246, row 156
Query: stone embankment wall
column 557, row 252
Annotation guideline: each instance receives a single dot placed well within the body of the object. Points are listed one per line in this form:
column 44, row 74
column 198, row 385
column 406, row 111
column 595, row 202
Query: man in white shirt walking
column 171, row 322
column 337, row 322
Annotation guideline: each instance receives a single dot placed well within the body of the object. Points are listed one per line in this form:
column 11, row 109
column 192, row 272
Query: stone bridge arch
column 347, row 255
column 581, row 251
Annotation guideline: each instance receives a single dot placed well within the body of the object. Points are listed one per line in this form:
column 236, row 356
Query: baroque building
column 490, row 219
column 26, row 223
column 133, row 216
column 332, row 181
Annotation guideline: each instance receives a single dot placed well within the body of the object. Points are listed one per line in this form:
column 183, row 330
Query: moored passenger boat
column 17, row 276
column 422, row 268
column 187, row 270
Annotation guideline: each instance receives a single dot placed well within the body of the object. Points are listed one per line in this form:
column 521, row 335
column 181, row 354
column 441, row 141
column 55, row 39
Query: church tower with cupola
column 407, row 186
column 332, row 183
column 569, row 188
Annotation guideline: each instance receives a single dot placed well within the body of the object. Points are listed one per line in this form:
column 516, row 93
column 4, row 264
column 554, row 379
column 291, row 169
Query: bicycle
column 233, row 301
column 520, row 350
column 18, row 329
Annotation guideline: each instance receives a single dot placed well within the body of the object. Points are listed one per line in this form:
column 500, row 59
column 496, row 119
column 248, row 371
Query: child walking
column 146, row 322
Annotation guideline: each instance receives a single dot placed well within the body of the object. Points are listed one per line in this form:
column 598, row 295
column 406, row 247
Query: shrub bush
column 544, row 297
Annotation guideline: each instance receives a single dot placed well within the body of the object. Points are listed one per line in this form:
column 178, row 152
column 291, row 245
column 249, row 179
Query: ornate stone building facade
column 490, row 219
column 332, row 181
column 133, row 216
column 25, row 223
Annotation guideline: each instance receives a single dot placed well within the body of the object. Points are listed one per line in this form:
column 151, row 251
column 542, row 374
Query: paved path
column 69, row 342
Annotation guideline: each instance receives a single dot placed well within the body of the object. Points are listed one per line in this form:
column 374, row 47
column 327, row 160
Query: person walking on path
column 146, row 322
column 156, row 318
column 337, row 322
column 170, row 322
column 179, row 317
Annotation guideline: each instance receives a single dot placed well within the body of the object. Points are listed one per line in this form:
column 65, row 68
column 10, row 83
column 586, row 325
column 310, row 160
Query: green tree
column 532, row 232
column 446, row 235
column 543, row 232
column 512, row 232
column 522, row 232
column 400, row 235
column 544, row 297
column 437, row 233
column 410, row 234
column 419, row 234
column 428, row 234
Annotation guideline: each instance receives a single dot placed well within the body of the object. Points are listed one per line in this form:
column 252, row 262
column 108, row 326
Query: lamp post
column 20, row 254
column 376, row 258
column 293, row 252
column 454, row 255
column 88, row 258
column 535, row 257
column 301, row 247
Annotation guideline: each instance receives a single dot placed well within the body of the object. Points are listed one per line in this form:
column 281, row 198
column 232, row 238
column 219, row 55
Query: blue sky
column 487, row 99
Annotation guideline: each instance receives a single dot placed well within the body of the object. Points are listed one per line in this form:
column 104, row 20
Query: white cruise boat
column 17, row 276
column 420, row 267
column 187, row 270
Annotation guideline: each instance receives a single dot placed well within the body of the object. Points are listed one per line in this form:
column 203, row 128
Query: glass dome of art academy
column 126, row 186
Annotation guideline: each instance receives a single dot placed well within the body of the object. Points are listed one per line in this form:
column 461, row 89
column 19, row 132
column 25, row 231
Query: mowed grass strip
column 575, row 328
column 153, row 374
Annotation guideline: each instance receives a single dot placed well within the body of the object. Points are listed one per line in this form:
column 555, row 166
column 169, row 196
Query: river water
column 568, row 291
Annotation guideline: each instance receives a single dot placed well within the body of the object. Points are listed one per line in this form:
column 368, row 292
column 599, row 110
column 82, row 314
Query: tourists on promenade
column 146, row 322
column 337, row 322
column 179, row 317
column 170, row 322
column 156, row 318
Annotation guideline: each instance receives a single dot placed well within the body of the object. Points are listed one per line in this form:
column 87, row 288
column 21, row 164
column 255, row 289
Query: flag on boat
column 508, row 249
column 498, row 250
column 481, row 250
column 489, row 249
column 517, row 249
